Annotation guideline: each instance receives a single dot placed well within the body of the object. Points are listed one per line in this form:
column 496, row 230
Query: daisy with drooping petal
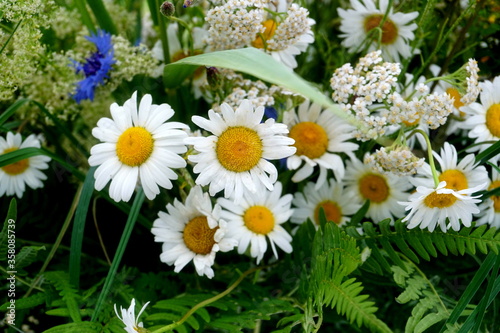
column 139, row 146
column 382, row 190
column 129, row 319
column 192, row 231
column 367, row 22
column 458, row 175
column 441, row 206
column 337, row 203
column 483, row 119
column 257, row 217
column 490, row 207
column 14, row 177
column 236, row 156
column 319, row 137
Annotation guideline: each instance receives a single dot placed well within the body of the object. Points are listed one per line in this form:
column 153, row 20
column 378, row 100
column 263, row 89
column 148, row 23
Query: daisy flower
column 192, row 231
column 236, row 156
column 319, row 137
column 129, row 319
column 337, row 203
column 96, row 67
column 490, row 207
column 483, row 119
column 382, row 190
column 138, row 146
column 14, row 177
column 431, row 206
column 369, row 22
column 458, row 175
column 257, row 217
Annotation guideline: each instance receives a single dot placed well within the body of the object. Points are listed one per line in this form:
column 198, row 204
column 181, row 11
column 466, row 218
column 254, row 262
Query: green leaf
column 61, row 282
column 81, row 5
column 10, row 111
column 9, row 224
column 129, row 226
column 471, row 289
column 27, row 255
column 102, row 16
column 26, row 302
column 82, row 327
column 258, row 64
column 79, row 228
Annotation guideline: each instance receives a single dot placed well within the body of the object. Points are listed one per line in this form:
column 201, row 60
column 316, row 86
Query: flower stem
column 430, row 157
column 208, row 301
column 163, row 34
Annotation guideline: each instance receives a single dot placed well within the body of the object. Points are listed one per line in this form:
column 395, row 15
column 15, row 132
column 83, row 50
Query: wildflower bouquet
column 250, row 165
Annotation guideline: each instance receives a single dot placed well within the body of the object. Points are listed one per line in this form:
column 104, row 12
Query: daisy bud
column 167, row 9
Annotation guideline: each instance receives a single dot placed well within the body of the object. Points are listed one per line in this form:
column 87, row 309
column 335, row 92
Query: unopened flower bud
column 213, row 77
column 167, row 9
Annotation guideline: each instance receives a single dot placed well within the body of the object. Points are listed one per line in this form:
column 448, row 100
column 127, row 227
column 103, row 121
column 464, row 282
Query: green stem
column 207, row 301
column 163, row 33
column 430, row 157
column 134, row 213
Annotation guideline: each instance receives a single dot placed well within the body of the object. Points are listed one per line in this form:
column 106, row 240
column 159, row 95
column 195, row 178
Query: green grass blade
column 24, row 153
column 102, row 16
column 129, row 226
column 79, row 227
column 471, row 289
column 81, row 6
column 10, row 111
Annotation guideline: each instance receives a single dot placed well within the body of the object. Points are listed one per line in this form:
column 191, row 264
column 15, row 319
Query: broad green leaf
column 258, row 64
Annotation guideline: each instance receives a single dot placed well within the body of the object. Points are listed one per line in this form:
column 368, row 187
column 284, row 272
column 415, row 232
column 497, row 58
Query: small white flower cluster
column 431, row 109
column 368, row 82
column 288, row 32
column 399, row 161
column 234, row 24
column 257, row 92
column 473, row 88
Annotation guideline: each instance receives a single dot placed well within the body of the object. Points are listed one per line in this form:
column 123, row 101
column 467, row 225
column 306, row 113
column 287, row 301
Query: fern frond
column 334, row 256
column 60, row 280
column 83, row 327
column 417, row 243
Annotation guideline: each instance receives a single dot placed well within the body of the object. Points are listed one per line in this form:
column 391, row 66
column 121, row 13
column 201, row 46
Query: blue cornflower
column 96, row 67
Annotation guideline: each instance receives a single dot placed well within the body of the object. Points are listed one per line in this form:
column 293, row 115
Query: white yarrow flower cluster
column 472, row 79
column 400, row 161
column 369, row 82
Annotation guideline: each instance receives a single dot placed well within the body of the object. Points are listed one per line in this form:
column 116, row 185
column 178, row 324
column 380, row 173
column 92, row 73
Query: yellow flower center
column 436, row 200
column 332, row 211
column 198, row 236
column 259, row 219
column 134, row 146
column 456, row 95
column 310, row 138
column 493, row 120
column 455, row 180
column 239, row 149
column 389, row 29
column 374, row 188
column 262, row 38
column 495, row 198
column 15, row 168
